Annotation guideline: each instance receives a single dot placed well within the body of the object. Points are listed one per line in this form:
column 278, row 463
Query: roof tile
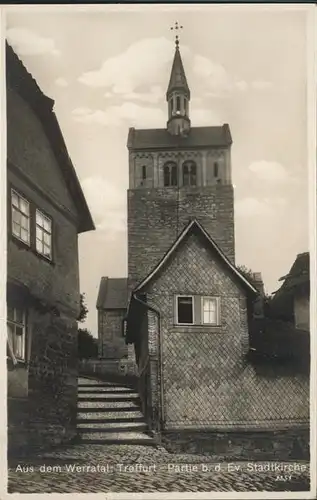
column 113, row 293
column 219, row 136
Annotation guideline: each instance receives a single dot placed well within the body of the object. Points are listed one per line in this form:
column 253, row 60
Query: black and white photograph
column 159, row 245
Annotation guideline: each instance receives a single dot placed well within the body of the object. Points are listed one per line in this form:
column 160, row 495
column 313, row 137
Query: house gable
column 35, row 143
column 207, row 244
column 193, row 270
column 29, row 152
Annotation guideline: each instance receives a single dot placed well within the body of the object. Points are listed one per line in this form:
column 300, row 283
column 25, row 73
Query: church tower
column 176, row 174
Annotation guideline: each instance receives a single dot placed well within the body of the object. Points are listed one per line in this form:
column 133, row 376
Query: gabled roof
column 113, row 293
column 178, row 79
column 194, row 225
column 25, row 85
column 299, row 273
column 198, row 137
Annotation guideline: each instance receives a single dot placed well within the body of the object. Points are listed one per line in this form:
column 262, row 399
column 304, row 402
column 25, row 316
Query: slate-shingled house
column 112, row 306
column 186, row 319
column 46, row 210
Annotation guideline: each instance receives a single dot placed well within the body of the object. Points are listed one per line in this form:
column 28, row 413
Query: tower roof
column 178, row 78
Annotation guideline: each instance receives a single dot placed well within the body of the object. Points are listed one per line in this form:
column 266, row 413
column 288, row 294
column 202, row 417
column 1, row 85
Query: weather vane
column 176, row 27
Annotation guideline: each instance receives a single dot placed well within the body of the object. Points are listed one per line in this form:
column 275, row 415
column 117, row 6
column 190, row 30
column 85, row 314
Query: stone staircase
column 109, row 413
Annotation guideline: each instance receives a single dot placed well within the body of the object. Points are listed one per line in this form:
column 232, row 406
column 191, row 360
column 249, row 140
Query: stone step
column 100, row 385
column 102, row 420
column 116, row 436
column 105, row 427
column 106, row 390
column 110, row 399
column 118, row 416
column 105, row 409
column 104, row 403
column 87, row 381
column 122, row 441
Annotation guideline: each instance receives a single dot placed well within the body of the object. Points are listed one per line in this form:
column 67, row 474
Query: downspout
column 150, row 308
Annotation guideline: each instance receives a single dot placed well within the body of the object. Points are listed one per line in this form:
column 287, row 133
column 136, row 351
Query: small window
column 186, row 179
column 178, row 104
column 170, row 174
column 216, row 169
column 43, row 234
column 16, row 327
column 174, row 175
column 143, row 172
column 189, row 173
column 210, row 310
column 20, row 209
column 166, row 175
column 185, row 312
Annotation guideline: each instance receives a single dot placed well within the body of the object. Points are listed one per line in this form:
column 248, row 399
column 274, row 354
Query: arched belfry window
column 143, row 172
column 170, row 174
column 189, row 173
column 178, row 104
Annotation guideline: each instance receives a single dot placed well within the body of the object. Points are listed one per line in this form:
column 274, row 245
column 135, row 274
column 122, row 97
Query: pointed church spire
column 178, row 94
column 178, row 80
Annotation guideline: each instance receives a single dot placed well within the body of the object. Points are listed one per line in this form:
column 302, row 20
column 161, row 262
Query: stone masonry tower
column 176, row 174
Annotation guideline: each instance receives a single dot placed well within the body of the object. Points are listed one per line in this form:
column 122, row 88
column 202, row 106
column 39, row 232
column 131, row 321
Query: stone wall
column 207, row 381
column 276, row 446
column 46, row 414
column 42, row 391
column 111, row 341
column 157, row 216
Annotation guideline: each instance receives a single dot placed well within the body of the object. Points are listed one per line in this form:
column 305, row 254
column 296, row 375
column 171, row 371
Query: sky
column 108, row 70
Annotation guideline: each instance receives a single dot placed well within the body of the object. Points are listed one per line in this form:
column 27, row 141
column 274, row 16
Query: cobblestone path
column 130, row 468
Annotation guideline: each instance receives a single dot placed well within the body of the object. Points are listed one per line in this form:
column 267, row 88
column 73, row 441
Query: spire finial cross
column 176, row 27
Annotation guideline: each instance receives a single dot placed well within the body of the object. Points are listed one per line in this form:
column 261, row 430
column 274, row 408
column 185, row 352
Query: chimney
column 258, row 283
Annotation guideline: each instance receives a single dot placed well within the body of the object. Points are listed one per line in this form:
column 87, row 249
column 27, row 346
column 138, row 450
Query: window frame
column 176, row 309
column 28, row 216
column 15, row 323
column 44, row 231
column 217, row 300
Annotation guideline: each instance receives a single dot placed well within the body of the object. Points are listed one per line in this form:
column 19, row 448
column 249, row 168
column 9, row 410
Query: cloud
column 215, row 78
column 61, row 82
column 107, row 204
column 128, row 113
column 139, row 72
column 27, row 43
column 254, row 207
column 201, row 117
column 141, row 64
column 153, row 96
column 269, row 171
